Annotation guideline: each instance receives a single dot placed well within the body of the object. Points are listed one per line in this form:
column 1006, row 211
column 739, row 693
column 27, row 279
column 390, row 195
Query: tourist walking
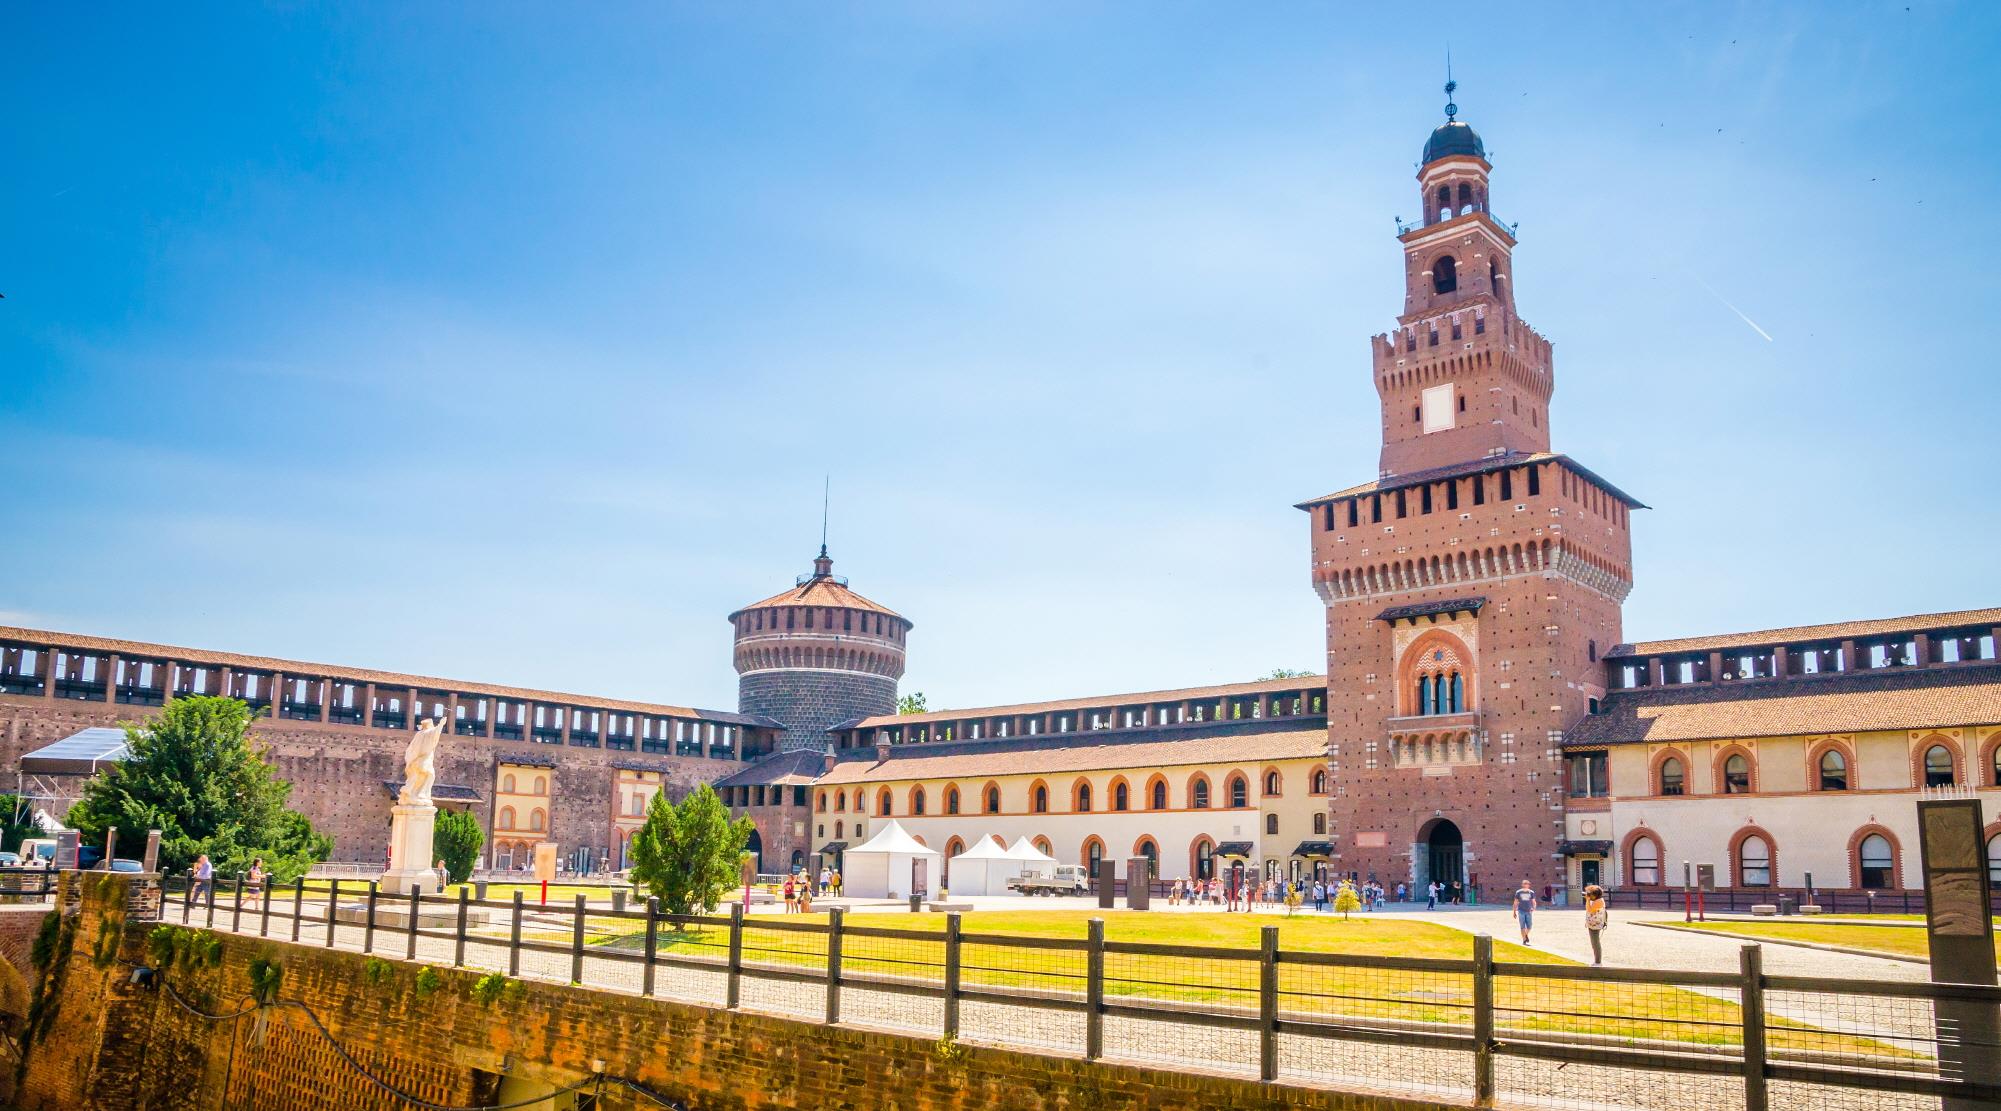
column 1525, row 903
column 791, row 896
column 837, row 883
column 1431, row 896
column 1403, row 892
column 204, row 877
column 253, row 884
column 805, row 895
column 1595, row 918
column 826, row 879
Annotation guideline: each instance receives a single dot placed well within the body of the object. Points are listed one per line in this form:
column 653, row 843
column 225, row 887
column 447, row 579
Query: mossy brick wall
column 119, row 1047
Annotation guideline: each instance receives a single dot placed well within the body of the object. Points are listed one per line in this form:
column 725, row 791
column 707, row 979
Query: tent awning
column 1235, row 848
column 833, row 847
column 85, row 752
column 1586, row 848
column 1314, row 848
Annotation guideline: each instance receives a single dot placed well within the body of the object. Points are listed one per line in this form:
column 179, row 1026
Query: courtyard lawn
column 1900, row 941
column 1347, row 993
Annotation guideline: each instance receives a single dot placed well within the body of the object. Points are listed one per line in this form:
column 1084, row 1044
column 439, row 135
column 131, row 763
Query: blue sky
column 511, row 343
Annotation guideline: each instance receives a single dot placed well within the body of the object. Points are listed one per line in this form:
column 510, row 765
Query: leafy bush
column 265, row 976
column 377, row 971
column 489, row 988
column 45, row 940
column 456, row 839
column 428, row 981
column 161, row 946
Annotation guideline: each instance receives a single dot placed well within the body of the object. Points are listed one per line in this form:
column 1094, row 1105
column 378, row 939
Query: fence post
column 459, row 943
column 264, row 895
column 1094, row 992
column 1751, row 963
column 208, row 900
column 652, row 944
column 514, row 939
column 236, row 906
column 1268, row 1004
column 1483, row 1020
column 833, row 966
column 733, row 994
column 952, row 974
column 298, row 904
column 416, row 916
column 368, row 927
column 187, row 899
column 577, row 943
column 333, row 905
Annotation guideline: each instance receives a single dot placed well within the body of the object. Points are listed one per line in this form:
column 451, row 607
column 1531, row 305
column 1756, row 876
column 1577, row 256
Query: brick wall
column 808, row 702
column 120, row 1047
column 338, row 771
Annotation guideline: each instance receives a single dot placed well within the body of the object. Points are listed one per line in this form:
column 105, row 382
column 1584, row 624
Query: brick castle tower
column 816, row 656
column 1471, row 587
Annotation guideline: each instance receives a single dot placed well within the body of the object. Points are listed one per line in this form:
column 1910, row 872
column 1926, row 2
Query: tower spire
column 826, row 499
column 1451, row 86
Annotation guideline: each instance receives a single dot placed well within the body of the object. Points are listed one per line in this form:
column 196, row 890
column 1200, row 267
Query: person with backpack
column 1596, row 917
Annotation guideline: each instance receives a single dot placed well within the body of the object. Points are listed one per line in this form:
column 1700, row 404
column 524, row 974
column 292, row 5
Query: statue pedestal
column 410, row 830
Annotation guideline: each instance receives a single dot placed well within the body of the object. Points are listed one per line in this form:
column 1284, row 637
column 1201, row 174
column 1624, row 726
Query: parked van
column 38, row 852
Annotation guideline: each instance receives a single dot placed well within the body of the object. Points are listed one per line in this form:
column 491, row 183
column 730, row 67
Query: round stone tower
column 816, row 656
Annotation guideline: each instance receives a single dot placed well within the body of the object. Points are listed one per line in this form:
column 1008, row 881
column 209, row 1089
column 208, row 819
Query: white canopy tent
column 983, row 869
column 1032, row 860
column 887, row 866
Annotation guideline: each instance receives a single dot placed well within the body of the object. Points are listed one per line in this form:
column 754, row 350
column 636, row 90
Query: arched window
column 1094, row 852
column 1833, row 770
column 535, row 819
column 1737, row 775
column 993, row 800
column 1674, row 777
column 1198, row 794
column 861, row 802
column 1151, row 852
column 1084, row 799
column 1424, row 694
column 1754, row 862
column 506, row 817
column 1041, row 799
column 1043, row 846
column 1645, row 858
column 1994, row 862
column 1205, row 860
column 507, row 784
column 951, row 800
column 1997, row 765
column 1454, row 702
column 541, row 785
column 1444, row 274
column 1320, row 781
column 1877, row 863
column 840, row 802
column 1271, row 823
column 1938, row 767
column 837, row 829
column 1320, row 821
column 1160, row 794
column 1271, row 784
column 917, row 800
column 1240, row 792
column 821, row 801
column 1121, row 796
column 882, row 804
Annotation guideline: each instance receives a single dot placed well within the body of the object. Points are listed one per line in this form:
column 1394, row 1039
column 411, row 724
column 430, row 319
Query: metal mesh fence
column 1404, row 1025
column 893, row 978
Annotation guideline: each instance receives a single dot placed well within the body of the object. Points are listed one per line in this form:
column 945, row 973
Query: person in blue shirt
column 1525, row 909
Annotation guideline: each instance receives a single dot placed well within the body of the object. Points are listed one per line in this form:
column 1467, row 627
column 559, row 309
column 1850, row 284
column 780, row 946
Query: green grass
column 1902, row 941
column 1344, row 993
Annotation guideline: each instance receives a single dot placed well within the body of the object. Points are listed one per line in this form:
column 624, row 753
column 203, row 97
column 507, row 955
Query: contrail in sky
column 1735, row 309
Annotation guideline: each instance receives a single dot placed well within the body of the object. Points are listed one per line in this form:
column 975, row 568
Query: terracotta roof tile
column 821, row 591
column 300, row 669
column 1145, row 749
column 1840, row 630
column 1918, row 698
column 1224, row 690
column 780, row 768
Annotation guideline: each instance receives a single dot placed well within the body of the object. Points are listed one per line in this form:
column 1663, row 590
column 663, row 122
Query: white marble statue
column 420, row 772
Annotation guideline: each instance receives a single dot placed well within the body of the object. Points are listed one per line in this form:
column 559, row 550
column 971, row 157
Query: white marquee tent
column 983, row 869
column 1031, row 859
column 886, row 866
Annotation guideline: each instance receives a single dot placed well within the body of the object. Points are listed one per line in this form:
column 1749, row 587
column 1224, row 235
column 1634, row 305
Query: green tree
column 1346, row 900
column 194, row 775
column 688, row 854
column 1285, row 673
column 17, row 822
column 456, row 840
column 912, row 703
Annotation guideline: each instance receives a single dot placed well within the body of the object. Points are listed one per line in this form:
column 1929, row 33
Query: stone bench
column 1810, row 908
column 1765, row 910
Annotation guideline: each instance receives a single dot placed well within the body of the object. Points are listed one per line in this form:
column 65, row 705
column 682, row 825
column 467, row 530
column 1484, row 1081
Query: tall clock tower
column 1470, row 587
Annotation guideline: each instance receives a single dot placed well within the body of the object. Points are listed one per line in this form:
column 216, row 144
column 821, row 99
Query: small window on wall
column 1320, row 822
column 1445, row 274
column 1833, row 770
column 1879, row 865
column 1674, row 778
column 1646, row 862
column 1754, row 862
column 1437, row 405
column 1938, row 767
column 1737, row 775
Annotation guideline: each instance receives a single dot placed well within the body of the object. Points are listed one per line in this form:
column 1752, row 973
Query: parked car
column 120, row 864
column 10, row 860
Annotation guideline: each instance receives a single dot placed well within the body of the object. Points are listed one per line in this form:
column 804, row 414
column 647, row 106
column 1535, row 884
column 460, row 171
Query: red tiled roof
column 1477, row 466
column 1840, row 630
column 1224, row 690
column 303, row 670
column 1076, row 753
column 821, row 591
column 1856, row 702
column 781, row 769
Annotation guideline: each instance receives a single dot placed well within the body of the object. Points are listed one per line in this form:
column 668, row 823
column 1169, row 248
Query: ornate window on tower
column 1437, row 677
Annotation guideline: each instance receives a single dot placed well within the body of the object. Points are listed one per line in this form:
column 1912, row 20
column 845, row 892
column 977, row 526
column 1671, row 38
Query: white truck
column 1068, row 879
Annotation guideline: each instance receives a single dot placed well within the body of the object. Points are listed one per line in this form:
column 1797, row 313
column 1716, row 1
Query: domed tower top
column 817, row 655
